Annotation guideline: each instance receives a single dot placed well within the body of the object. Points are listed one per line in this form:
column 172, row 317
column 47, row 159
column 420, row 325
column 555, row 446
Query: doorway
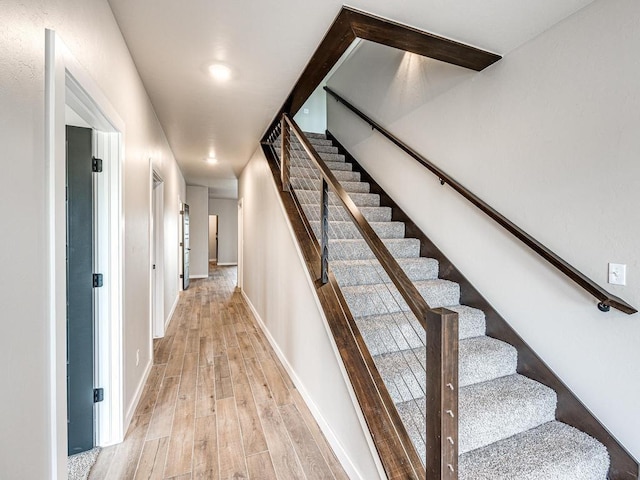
column 68, row 87
column 157, row 255
column 213, row 239
column 186, row 249
column 240, row 275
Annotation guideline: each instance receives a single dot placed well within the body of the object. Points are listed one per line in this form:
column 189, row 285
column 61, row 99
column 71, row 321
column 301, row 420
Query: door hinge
column 181, row 212
column 97, row 280
column 98, row 395
column 96, row 165
column 181, row 276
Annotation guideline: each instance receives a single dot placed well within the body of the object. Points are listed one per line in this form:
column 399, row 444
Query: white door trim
column 156, row 239
column 67, row 83
column 240, row 272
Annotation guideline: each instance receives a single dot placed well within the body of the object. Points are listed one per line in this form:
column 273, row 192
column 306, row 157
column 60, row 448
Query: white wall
column 213, row 231
column 93, row 37
column 279, row 288
column 227, row 212
column 198, row 201
column 315, row 120
column 549, row 137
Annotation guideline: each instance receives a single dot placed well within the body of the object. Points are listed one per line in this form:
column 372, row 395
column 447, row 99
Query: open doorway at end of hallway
column 213, row 241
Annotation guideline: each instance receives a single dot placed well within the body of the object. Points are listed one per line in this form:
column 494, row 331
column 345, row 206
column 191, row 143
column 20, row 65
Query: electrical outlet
column 305, row 111
column 617, row 274
column 137, row 357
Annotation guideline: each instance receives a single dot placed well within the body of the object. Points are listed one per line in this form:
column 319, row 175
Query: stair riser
column 347, row 230
column 360, row 199
column 359, row 250
column 333, row 166
column 404, row 373
column 373, row 273
column 318, row 148
column 301, row 155
column 372, row 214
column 316, row 185
column 314, row 174
column 390, row 334
column 378, row 299
column 313, row 141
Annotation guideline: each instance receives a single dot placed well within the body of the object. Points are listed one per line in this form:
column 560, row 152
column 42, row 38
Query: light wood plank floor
column 218, row 404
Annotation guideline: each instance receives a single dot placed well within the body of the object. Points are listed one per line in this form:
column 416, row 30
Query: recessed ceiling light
column 211, row 160
column 220, row 72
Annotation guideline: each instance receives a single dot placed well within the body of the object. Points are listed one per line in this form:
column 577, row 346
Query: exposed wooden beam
column 351, row 24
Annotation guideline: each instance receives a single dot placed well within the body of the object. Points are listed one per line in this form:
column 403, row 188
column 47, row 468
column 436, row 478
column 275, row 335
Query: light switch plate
column 617, row 274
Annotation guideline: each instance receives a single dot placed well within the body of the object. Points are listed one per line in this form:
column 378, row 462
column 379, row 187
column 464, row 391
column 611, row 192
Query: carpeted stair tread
column 372, row 214
column 552, row 451
column 296, row 171
column 339, row 229
column 488, row 412
column 497, row 409
column 316, row 185
column 480, row 359
column 360, row 199
column 401, row 331
column 364, row 272
column 379, row 299
column 357, row 249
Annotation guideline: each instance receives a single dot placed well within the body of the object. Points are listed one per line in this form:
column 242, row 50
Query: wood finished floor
column 218, row 404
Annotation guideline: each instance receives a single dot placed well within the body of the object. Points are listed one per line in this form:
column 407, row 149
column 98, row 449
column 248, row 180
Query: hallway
column 218, row 404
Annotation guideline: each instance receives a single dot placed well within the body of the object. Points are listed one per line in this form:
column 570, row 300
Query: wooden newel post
column 284, row 164
column 442, row 395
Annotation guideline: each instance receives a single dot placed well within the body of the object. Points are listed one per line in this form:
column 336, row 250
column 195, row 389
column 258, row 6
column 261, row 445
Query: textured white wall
column 89, row 30
column 278, row 285
column 227, row 211
column 198, row 201
column 316, row 120
column 549, row 137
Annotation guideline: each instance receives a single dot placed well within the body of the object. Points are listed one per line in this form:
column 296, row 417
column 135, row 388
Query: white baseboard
column 227, row 264
column 171, row 312
column 337, row 447
column 136, row 398
column 195, row 277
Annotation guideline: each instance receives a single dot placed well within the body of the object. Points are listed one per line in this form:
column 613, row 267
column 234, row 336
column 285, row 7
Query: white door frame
column 240, row 274
column 67, row 83
column 156, row 239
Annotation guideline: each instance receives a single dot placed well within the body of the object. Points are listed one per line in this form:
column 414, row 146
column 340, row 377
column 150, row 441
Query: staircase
column 507, row 425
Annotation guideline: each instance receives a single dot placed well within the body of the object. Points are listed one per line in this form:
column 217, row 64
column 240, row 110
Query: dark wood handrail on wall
column 440, row 324
column 606, row 299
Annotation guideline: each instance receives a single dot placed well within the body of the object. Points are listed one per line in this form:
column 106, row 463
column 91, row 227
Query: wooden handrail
column 440, row 324
column 606, row 299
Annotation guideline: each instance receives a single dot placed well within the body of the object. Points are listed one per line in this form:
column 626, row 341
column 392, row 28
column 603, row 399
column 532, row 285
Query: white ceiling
column 267, row 44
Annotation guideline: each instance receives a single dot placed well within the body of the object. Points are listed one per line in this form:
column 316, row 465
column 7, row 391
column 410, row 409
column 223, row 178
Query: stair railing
column 606, row 299
column 440, row 324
